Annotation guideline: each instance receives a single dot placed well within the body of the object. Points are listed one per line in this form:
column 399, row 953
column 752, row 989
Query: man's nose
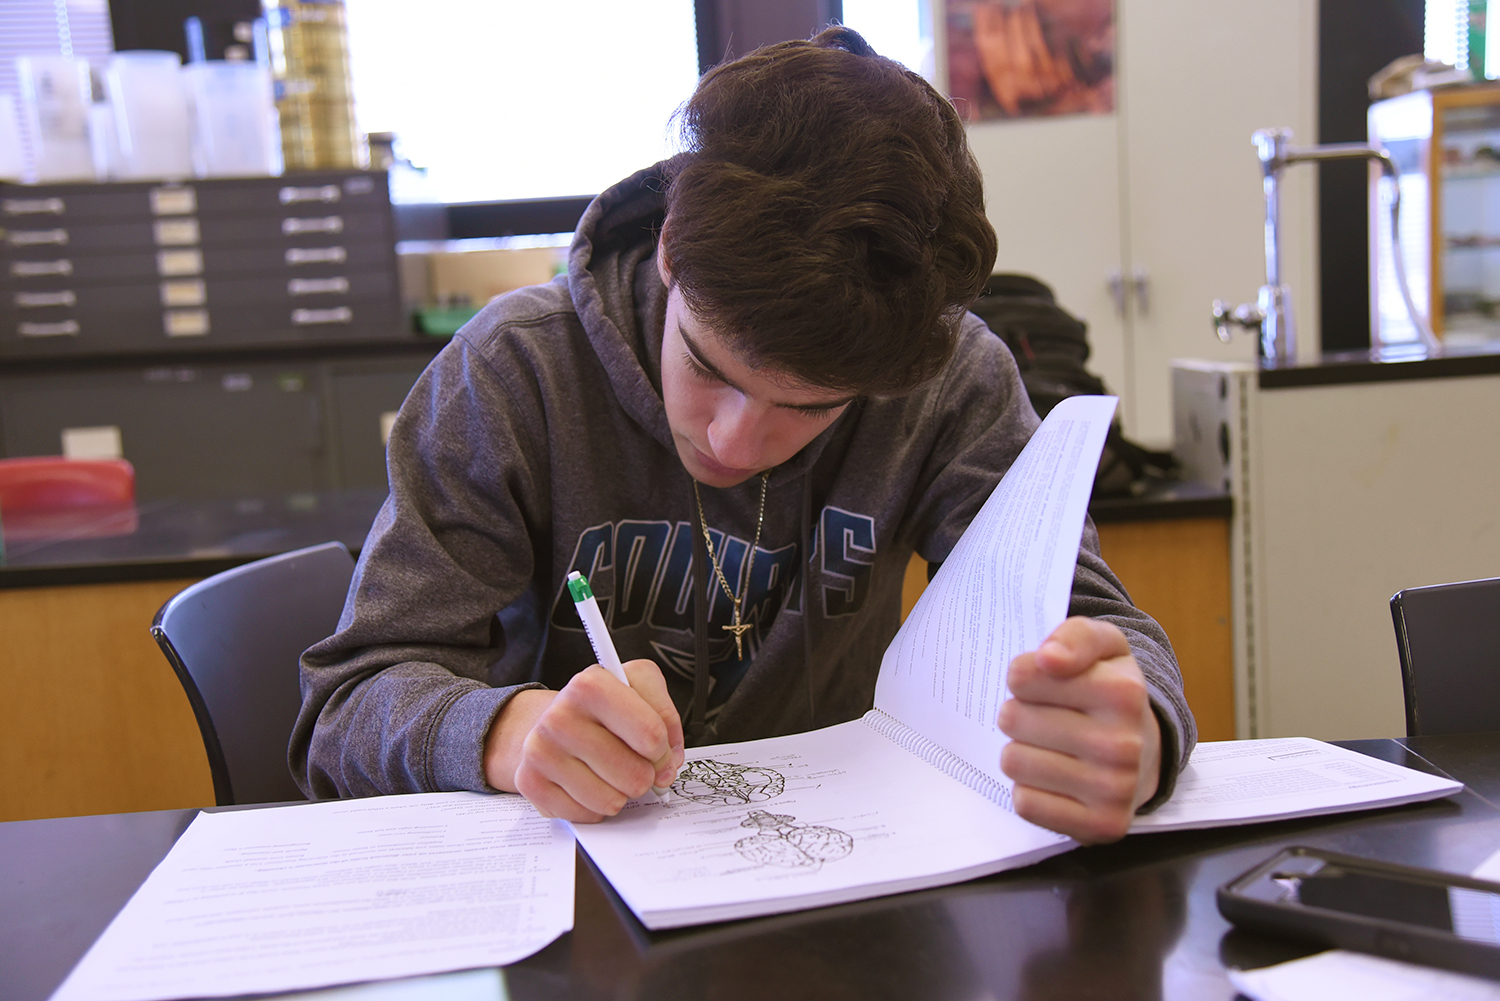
column 734, row 434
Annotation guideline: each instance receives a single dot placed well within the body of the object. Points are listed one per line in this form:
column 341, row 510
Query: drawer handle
column 33, row 206
column 35, row 237
column 34, row 269
column 36, row 300
column 327, row 224
column 318, row 286
column 338, row 314
column 316, row 255
column 62, row 328
column 324, row 193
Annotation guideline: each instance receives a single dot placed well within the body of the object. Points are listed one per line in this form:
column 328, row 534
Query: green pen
column 598, row 633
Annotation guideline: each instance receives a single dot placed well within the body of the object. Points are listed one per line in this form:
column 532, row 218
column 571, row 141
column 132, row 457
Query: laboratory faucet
column 1272, row 310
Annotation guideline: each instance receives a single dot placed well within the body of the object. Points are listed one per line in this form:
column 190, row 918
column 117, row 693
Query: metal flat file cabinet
column 138, row 268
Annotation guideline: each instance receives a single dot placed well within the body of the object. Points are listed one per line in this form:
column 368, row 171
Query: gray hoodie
column 536, row 443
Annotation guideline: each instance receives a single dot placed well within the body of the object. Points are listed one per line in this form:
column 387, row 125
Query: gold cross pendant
column 739, row 632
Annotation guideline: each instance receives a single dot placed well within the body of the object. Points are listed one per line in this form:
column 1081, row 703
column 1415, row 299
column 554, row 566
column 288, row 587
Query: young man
column 755, row 393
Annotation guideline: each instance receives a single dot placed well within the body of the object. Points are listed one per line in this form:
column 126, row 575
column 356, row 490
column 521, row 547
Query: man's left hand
column 1085, row 747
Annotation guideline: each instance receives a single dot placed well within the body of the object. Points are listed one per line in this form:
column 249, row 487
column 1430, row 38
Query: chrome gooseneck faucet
column 1271, row 313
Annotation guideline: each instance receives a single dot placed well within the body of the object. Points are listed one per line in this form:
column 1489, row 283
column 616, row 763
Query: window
column 513, row 99
column 899, row 29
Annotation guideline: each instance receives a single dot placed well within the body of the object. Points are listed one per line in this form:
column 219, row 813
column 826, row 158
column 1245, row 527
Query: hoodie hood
column 620, row 298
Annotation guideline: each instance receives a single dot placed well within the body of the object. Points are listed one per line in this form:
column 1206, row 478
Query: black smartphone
column 1346, row 902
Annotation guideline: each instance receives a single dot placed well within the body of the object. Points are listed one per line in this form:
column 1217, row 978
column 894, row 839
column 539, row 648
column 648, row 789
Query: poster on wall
column 1031, row 58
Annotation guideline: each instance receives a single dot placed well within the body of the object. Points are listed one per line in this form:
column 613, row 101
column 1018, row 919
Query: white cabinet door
column 1196, row 78
column 1168, row 187
column 1052, row 191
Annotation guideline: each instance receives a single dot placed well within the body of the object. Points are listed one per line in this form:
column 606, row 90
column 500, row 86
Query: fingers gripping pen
column 598, row 633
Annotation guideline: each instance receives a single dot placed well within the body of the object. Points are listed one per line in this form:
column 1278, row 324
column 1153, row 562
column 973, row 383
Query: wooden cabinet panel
column 1177, row 571
column 93, row 719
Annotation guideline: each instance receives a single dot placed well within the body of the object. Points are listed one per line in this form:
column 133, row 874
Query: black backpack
column 1051, row 345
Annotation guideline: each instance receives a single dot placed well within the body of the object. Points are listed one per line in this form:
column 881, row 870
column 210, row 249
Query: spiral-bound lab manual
column 911, row 795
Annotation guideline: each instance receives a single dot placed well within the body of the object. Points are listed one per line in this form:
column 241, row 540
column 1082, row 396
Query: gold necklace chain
column 738, row 628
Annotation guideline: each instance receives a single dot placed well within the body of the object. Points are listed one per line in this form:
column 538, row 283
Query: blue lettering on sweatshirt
column 641, row 573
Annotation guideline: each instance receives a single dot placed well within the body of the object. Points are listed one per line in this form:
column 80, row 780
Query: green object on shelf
column 438, row 321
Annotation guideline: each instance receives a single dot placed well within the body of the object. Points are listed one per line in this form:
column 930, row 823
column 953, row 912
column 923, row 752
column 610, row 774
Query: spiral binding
column 939, row 757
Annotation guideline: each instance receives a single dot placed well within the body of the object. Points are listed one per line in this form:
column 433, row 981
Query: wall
column 1168, row 184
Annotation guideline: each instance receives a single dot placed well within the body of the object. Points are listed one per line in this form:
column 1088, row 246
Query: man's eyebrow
column 713, row 370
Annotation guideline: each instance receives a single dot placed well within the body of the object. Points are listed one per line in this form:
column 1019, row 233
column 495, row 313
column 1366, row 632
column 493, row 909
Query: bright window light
column 899, row 29
column 1446, row 32
column 513, row 99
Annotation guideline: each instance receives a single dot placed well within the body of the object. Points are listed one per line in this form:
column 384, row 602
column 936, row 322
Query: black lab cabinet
column 226, row 336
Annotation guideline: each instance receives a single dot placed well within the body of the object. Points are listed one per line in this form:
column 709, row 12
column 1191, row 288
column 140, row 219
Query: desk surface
column 1131, row 920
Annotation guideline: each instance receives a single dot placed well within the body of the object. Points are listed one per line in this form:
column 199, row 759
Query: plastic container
column 314, row 97
column 55, row 97
column 150, row 114
column 234, row 119
column 11, row 166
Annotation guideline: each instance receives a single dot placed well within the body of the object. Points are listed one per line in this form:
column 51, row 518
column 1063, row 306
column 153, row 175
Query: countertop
column 1388, row 364
column 161, row 540
column 166, row 539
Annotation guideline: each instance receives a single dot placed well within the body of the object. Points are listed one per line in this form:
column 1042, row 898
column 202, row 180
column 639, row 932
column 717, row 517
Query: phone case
column 1249, row 901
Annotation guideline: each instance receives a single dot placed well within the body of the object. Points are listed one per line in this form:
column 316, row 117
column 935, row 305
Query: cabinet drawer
column 282, row 230
column 75, row 332
column 308, row 257
column 28, row 205
column 60, row 301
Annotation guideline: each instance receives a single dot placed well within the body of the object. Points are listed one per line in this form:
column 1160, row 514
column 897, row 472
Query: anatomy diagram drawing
column 781, row 843
column 719, row 782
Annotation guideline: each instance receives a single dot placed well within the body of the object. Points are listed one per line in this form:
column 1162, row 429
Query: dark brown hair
column 826, row 216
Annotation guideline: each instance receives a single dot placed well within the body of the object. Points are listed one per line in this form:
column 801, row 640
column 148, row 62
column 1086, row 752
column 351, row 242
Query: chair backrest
column 1448, row 638
column 235, row 640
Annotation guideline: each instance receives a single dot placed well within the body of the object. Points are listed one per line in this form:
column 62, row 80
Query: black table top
column 165, row 539
column 1392, row 363
column 160, row 540
column 1135, row 919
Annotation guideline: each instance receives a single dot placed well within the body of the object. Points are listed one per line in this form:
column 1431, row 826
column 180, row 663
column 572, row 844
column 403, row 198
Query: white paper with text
column 1228, row 782
column 294, row 897
column 1000, row 593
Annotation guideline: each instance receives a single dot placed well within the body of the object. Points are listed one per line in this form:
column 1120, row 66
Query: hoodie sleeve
column 399, row 698
column 983, row 419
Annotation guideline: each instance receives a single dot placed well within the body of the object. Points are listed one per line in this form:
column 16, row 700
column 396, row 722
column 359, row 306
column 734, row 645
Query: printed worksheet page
column 1229, row 782
column 288, row 898
column 1003, row 589
column 800, row 821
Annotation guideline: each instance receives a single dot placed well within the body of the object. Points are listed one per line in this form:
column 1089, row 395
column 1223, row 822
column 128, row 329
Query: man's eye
column 816, row 413
column 698, row 370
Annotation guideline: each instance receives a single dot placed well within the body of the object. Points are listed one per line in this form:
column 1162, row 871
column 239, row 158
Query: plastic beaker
column 150, row 113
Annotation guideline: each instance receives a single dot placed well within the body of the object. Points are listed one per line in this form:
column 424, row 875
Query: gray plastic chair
column 1448, row 638
column 235, row 640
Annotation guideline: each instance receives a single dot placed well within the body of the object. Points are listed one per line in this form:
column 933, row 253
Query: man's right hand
column 584, row 752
